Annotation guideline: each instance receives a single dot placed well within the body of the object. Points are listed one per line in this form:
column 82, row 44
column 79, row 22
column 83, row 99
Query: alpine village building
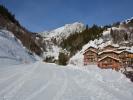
column 108, row 57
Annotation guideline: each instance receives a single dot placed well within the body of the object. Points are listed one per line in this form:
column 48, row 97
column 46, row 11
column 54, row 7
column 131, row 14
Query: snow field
column 39, row 81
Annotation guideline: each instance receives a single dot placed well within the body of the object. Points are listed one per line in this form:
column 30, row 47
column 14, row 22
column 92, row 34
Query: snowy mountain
column 53, row 38
column 39, row 81
column 64, row 31
column 12, row 51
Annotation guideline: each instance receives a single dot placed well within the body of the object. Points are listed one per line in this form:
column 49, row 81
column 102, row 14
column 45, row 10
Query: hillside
column 120, row 35
column 54, row 38
column 9, row 23
column 12, row 51
column 69, row 38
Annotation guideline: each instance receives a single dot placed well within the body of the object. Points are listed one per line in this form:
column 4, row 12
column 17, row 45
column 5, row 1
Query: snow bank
column 11, row 50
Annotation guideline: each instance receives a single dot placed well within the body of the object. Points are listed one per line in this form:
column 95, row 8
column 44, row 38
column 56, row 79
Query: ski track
column 41, row 89
column 61, row 91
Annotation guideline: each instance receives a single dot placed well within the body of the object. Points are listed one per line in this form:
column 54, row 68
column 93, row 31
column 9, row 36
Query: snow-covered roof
column 109, row 57
column 127, row 50
column 114, row 51
column 122, row 48
column 89, row 50
column 130, row 51
column 91, row 44
column 106, row 51
column 109, row 43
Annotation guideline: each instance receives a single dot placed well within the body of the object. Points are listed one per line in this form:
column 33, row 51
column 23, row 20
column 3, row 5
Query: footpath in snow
column 42, row 81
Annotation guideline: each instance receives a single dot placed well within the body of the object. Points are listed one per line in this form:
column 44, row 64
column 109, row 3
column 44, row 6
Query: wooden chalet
column 109, row 62
column 90, row 56
column 130, row 60
column 110, row 53
column 127, row 58
column 109, row 57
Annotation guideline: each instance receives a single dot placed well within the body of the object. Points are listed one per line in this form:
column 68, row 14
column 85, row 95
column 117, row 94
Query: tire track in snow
column 20, row 81
column 107, row 89
column 17, row 71
column 34, row 94
column 6, row 79
column 63, row 88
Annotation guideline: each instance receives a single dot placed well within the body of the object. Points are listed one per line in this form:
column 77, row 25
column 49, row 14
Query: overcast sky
column 41, row 15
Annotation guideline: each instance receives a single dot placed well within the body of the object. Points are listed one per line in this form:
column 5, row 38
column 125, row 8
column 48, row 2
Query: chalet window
column 109, row 60
column 90, row 54
column 91, row 60
column 131, row 62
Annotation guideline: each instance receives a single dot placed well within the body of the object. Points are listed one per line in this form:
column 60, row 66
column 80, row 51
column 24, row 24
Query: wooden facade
column 130, row 59
column 109, row 62
column 90, row 56
column 126, row 58
column 108, row 53
column 108, row 57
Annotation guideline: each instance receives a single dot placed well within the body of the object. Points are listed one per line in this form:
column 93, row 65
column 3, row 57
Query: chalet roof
column 121, row 48
column 106, row 44
column 109, row 57
column 108, row 51
column 112, row 45
column 128, row 51
column 114, row 51
column 89, row 50
column 91, row 47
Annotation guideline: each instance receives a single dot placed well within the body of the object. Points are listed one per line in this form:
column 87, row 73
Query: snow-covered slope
column 127, row 20
column 53, row 38
column 11, row 50
column 41, row 81
column 64, row 31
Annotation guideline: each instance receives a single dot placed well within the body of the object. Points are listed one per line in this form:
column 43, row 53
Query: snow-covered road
column 41, row 81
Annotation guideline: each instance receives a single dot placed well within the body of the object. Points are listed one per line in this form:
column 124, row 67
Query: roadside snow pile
column 11, row 50
column 41, row 81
